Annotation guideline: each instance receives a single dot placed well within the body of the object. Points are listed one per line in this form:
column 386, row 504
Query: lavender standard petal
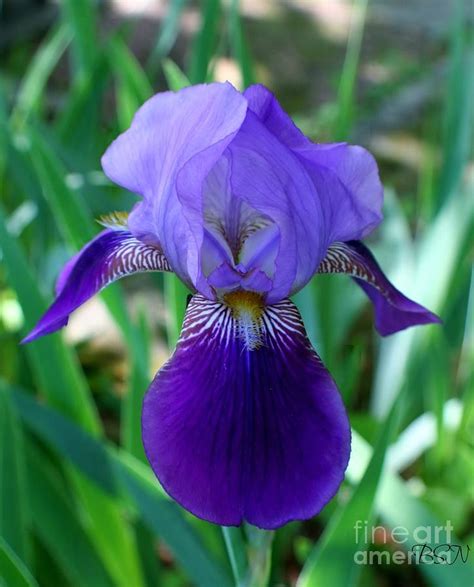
column 193, row 127
column 345, row 176
column 272, row 180
column 244, row 422
column 393, row 310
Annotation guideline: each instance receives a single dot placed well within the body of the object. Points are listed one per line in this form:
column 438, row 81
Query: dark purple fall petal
column 393, row 310
column 113, row 254
column 244, row 422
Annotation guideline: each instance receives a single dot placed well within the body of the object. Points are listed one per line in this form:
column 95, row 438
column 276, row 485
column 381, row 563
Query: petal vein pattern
column 113, row 254
column 244, row 422
column 393, row 310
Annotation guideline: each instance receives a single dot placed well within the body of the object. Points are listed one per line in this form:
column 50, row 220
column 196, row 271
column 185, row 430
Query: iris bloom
column 243, row 422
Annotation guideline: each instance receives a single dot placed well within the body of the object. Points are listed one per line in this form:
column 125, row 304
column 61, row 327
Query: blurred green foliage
column 78, row 503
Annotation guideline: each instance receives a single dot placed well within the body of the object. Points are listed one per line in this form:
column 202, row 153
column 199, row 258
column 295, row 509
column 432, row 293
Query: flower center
column 247, row 309
column 245, row 302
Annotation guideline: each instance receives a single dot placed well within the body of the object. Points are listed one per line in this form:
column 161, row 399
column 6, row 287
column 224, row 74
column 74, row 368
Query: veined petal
column 264, row 104
column 345, row 176
column 113, row 254
column 271, row 179
column 230, row 219
column 244, row 422
column 168, row 130
column 172, row 131
column 225, row 279
column 347, row 180
column 393, row 310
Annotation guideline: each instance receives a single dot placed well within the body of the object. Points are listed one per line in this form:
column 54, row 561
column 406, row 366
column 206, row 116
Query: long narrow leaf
column 397, row 506
column 77, row 122
column 114, row 472
column 205, row 41
column 34, row 82
column 70, row 441
column 62, row 383
column 334, row 544
column 168, row 521
column 239, row 45
column 345, row 100
column 431, row 280
column 80, row 16
column 459, row 110
column 234, row 542
column 13, row 572
column 58, row 527
column 133, row 87
column 55, row 368
column 175, row 77
column 167, row 35
column 14, row 507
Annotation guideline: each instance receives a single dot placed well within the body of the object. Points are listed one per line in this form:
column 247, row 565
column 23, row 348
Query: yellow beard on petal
column 247, row 309
column 115, row 220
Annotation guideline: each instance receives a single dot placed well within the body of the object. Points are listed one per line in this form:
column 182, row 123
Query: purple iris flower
column 243, row 422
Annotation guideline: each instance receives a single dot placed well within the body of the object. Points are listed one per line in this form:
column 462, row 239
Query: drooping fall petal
column 393, row 310
column 113, row 254
column 244, row 422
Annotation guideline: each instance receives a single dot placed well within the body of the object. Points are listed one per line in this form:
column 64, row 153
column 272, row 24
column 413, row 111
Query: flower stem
column 234, row 542
column 260, row 542
column 251, row 562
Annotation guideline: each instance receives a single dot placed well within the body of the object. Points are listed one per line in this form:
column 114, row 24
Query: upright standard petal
column 271, row 180
column 244, row 422
column 193, row 127
column 345, row 176
column 393, row 310
column 113, row 254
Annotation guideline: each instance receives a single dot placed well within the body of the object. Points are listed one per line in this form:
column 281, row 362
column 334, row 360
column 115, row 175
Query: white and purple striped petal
column 393, row 310
column 244, row 422
column 113, row 254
